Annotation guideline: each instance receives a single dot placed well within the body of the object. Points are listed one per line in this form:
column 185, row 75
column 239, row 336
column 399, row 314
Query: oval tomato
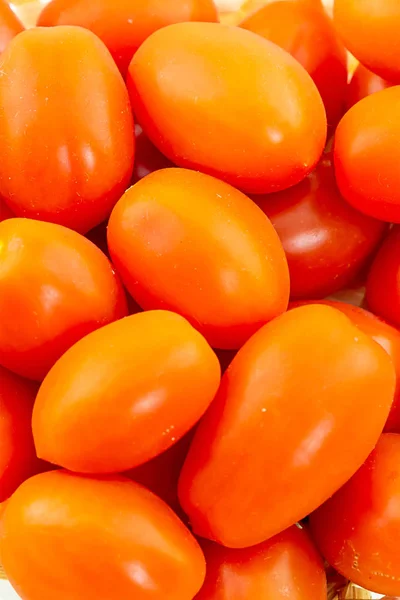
column 10, row 25
column 364, row 83
column 295, row 26
column 326, row 241
column 147, row 157
column 187, row 84
column 123, row 25
column 192, row 244
column 147, row 380
column 68, row 536
column 284, row 414
column 358, row 529
column 55, row 287
column 370, row 30
column 66, row 131
column 287, row 566
column 367, row 155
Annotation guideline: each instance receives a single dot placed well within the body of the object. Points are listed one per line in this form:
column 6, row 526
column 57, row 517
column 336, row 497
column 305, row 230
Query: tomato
column 5, row 212
column 358, row 529
column 363, row 84
column 55, row 287
column 10, row 25
column 18, row 459
column 147, row 380
column 287, row 566
column 285, row 413
column 69, row 536
column 192, row 244
column 147, row 158
column 326, row 241
column 187, row 84
column 306, row 31
column 123, row 25
column 369, row 29
column 367, row 155
column 66, row 131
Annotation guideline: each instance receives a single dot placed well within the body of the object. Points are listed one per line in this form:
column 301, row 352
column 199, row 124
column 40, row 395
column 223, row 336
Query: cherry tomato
column 306, row 31
column 363, row 84
column 147, row 157
column 367, row 155
column 192, row 244
column 55, row 287
column 287, row 566
column 123, row 25
column 66, row 131
column 69, row 536
column 187, row 84
column 370, row 30
column 326, row 241
column 358, row 529
column 124, row 394
column 285, row 413
column 10, row 25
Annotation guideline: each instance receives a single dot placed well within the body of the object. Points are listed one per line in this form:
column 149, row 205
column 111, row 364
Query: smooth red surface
column 10, row 25
column 364, row 83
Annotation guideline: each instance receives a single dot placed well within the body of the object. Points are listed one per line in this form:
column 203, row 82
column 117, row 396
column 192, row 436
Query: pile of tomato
column 186, row 409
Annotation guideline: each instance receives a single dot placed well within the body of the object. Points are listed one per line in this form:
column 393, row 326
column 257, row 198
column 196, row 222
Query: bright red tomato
column 326, row 241
column 147, row 157
column 123, row 25
column 187, row 84
column 287, row 566
column 5, row 212
column 66, row 131
column 363, row 84
column 10, row 25
column 358, row 530
column 70, row 537
column 281, row 419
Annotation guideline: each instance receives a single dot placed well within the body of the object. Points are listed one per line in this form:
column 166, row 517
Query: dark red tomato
column 286, row 567
column 358, row 530
column 10, row 25
column 363, row 84
column 5, row 212
column 305, row 30
column 326, row 241
column 147, row 157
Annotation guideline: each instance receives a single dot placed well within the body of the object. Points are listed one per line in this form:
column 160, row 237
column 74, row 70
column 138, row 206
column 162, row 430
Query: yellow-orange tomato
column 123, row 25
column 66, row 131
column 227, row 102
column 190, row 243
column 71, row 537
column 125, row 393
column 55, row 287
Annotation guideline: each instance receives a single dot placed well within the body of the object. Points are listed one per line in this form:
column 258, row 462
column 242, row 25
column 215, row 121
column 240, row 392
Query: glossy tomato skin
column 62, row 288
column 367, row 154
column 307, row 33
column 147, row 158
column 10, row 25
column 358, row 529
column 192, row 244
column 369, row 29
column 238, row 143
column 364, row 83
column 66, row 130
column 326, row 241
column 280, row 419
column 69, row 536
column 124, row 25
column 287, row 566
column 147, row 380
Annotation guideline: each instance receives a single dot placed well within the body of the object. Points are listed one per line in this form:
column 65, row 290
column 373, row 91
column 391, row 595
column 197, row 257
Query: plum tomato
column 5, row 212
column 225, row 101
column 10, row 25
column 364, row 83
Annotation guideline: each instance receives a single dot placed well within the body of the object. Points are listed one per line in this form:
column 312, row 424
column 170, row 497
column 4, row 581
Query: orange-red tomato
column 18, row 459
column 285, row 414
column 69, row 536
column 10, row 25
column 359, row 528
column 55, row 287
column 192, row 244
column 227, row 102
column 147, row 157
column 5, row 212
column 287, row 566
column 370, row 30
column 305, row 30
column 66, row 131
column 367, row 155
column 123, row 25
column 364, row 83
column 327, row 242
column 124, row 394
